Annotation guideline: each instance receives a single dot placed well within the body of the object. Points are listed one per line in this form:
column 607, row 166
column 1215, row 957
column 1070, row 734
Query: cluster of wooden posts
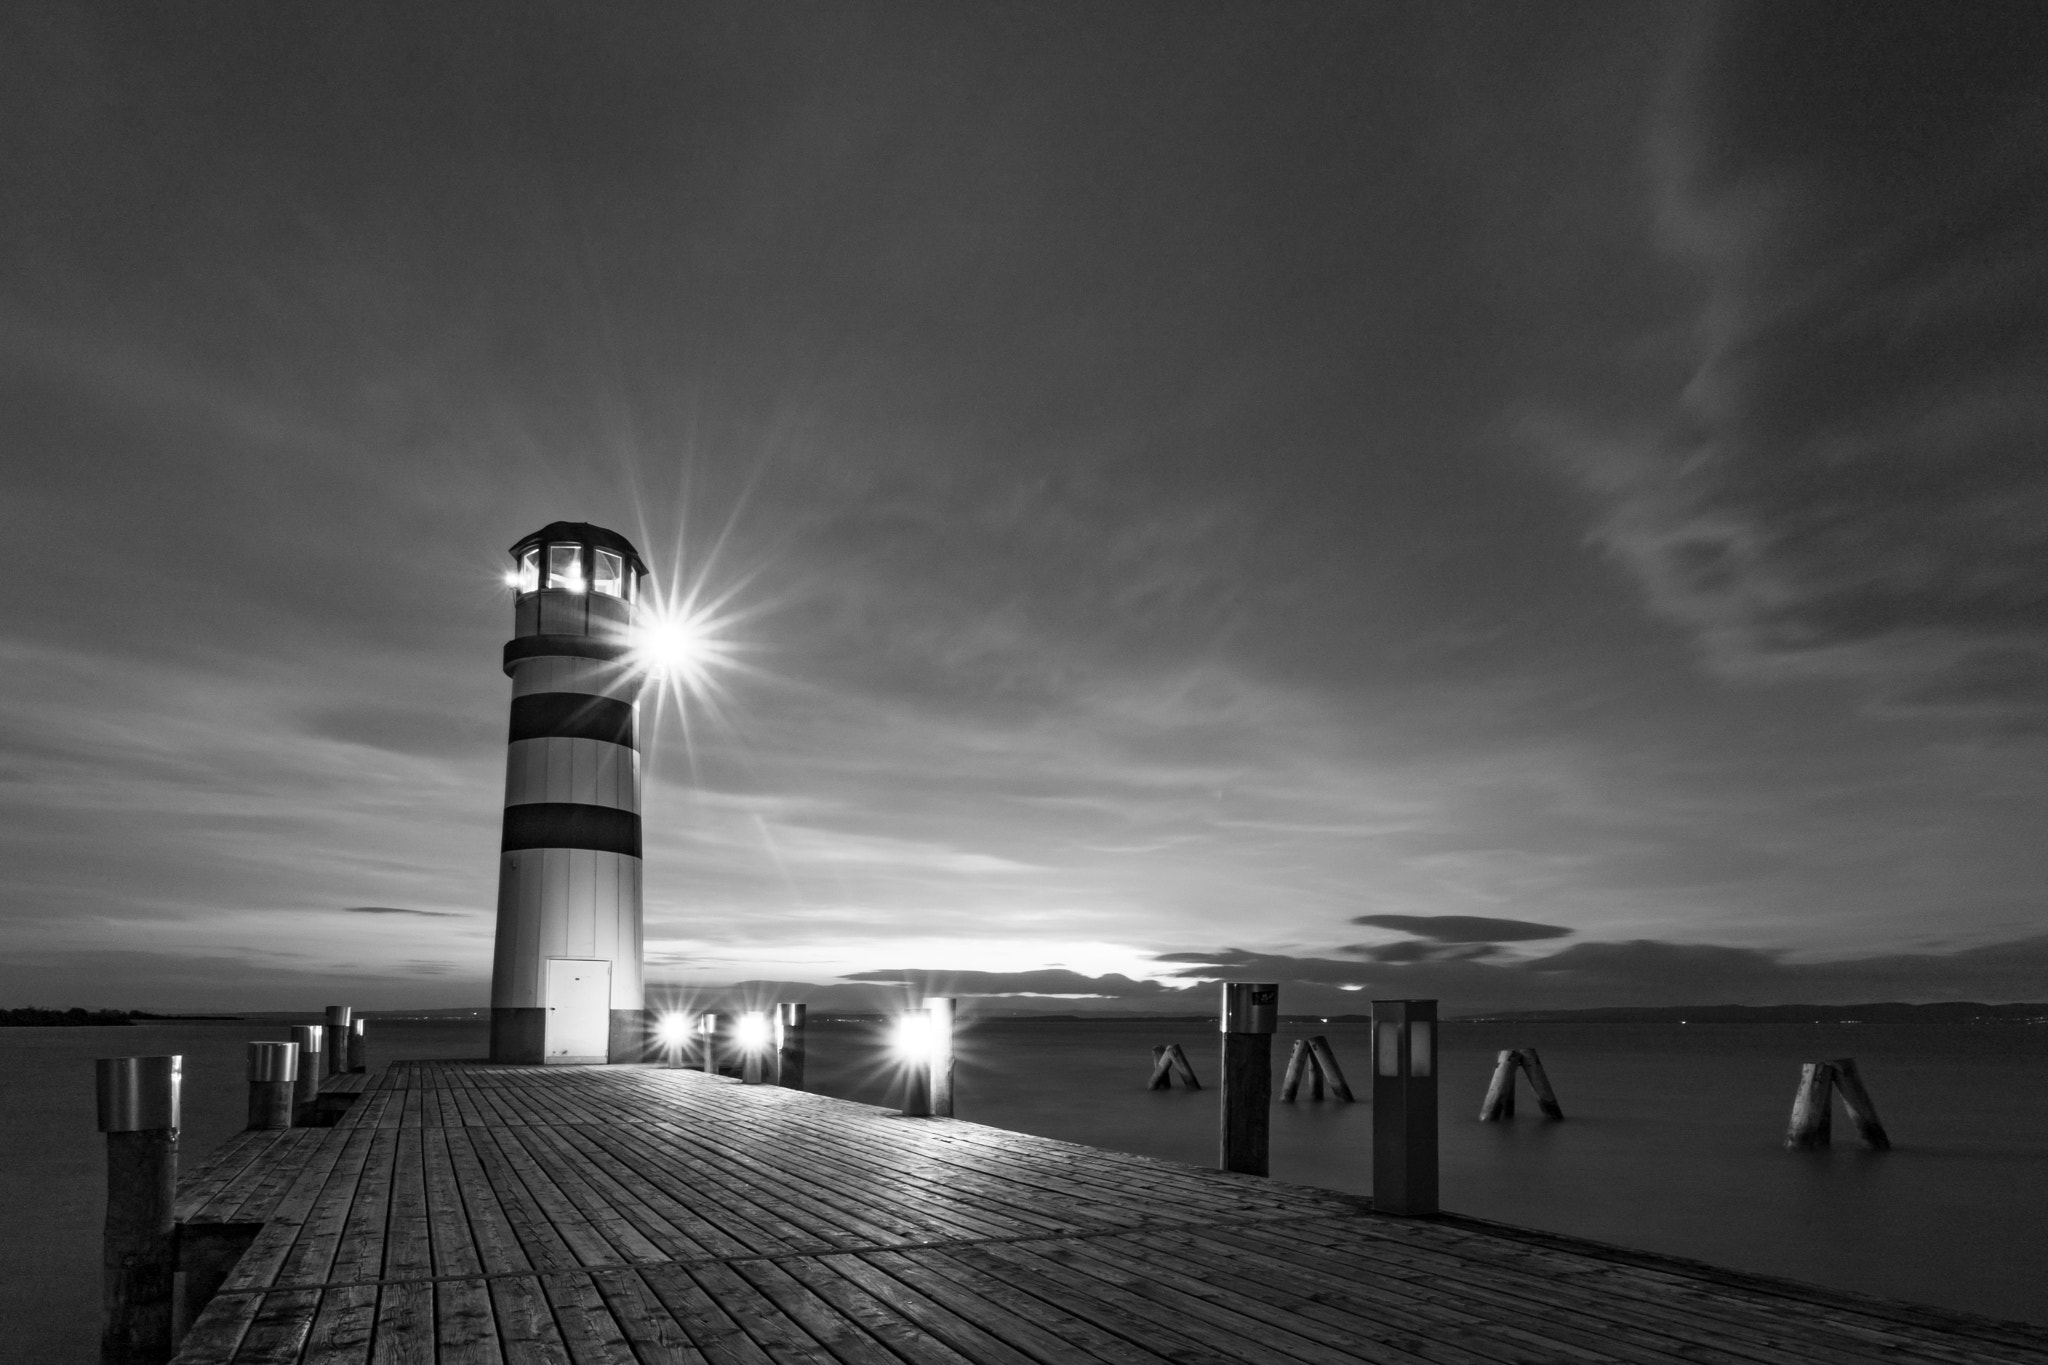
column 140, row 1102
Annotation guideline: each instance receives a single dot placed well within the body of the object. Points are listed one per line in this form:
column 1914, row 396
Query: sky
column 1531, row 505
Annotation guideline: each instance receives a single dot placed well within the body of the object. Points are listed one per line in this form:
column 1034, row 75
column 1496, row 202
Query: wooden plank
column 710, row 1328
column 648, row 1327
column 586, row 1324
column 526, row 1325
column 342, row 1327
column 465, row 1329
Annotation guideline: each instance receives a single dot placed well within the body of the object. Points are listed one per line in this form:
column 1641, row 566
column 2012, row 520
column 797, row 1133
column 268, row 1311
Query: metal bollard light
column 1404, row 1155
column 273, row 1075
column 913, row 1040
column 138, row 1111
column 306, row 1090
column 337, row 1030
column 707, row 1026
column 1251, row 1012
column 789, row 1045
column 942, row 1010
column 358, row 1047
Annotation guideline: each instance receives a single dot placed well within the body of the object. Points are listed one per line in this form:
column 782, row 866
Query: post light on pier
column 707, row 1028
column 753, row 1036
column 566, row 976
column 673, row 1031
column 1251, row 1011
column 914, row 1045
column 1404, row 1156
column 789, row 1044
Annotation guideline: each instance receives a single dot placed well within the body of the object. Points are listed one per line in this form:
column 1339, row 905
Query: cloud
column 1639, row 972
column 1046, row 982
column 396, row 910
column 1465, row 928
column 1851, row 485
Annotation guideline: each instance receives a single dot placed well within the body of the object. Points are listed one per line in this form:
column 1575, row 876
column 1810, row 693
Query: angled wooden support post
column 273, row 1075
column 1298, row 1060
column 1251, row 1011
column 1500, row 1091
column 1326, row 1066
column 1167, row 1062
column 138, row 1111
column 1539, row 1081
column 1812, row 1122
column 1849, row 1081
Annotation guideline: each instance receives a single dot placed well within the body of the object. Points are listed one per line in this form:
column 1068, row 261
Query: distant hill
column 1885, row 1012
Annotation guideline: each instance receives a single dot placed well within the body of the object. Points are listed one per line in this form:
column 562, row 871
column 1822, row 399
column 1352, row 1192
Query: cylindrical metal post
column 754, row 1037
column 273, row 1072
column 138, row 1111
column 914, row 1038
column 942, row 1010
column 306, row 1091
column 707, row 1026
column 336, row 1052
column 1404, row 1156
column 1251, row 1011
column 789, row 1045
column 358, row 1046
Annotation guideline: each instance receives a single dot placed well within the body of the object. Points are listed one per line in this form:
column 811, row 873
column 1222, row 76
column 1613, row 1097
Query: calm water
column 1671, row 1142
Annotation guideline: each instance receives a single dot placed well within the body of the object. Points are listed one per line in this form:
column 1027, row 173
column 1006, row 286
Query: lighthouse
column 565, row 975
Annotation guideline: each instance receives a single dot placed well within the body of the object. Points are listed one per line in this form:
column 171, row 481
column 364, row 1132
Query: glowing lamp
column 673, row 1029
column 752, row 1032
column 912, row 1037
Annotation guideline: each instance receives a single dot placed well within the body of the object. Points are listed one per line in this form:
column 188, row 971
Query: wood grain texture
column 468, row 1214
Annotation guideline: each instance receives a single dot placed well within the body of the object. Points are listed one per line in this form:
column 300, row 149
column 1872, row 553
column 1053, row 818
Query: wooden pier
column 461, row 1212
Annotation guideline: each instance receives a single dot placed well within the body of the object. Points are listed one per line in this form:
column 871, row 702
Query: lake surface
column 1671, row 1141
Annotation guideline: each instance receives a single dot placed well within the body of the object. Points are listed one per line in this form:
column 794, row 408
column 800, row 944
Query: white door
column 579, row 1009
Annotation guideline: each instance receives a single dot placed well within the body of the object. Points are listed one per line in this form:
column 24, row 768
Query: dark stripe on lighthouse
column 565, row 824
column 572, row 715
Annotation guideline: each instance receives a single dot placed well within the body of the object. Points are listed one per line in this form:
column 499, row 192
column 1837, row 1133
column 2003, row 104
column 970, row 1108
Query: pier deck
column 460, row 1212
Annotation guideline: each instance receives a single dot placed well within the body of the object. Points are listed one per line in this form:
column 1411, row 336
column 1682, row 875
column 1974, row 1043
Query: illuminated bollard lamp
column 941, row 1009
column 789, row 1045
column 914, row 1049
column 138, row 1111
column 1251, row 1012
column 752, row 1035
column 311, row 1040
column 566, row 981
column 1404, row 1155
column 707, row 1029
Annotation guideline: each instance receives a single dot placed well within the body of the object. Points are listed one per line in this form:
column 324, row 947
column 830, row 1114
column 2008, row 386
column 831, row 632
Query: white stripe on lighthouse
column 589, row 772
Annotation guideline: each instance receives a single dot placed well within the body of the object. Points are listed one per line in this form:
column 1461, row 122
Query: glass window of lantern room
column 610, row 578
column 565, row 567
column 529, row 570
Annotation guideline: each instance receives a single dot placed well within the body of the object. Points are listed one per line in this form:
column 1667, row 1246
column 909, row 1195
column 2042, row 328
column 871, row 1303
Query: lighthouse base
column 519, row 1035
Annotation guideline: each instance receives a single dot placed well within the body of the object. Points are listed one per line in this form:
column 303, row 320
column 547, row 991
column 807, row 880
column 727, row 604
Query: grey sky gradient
column 1193, row 480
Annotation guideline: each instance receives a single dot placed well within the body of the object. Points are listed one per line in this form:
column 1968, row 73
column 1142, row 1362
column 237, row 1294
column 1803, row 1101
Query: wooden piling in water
column 273, row 1076
column 139, row 1111
column 1326, row 1061
column 1813, row 1118
column 942, row 1010
column 789, row 1045
column 306, row 1090
column 1251, row 1011
column 1812, row 1123
column 1856, row 1099
column 1167, row 1062
column 1499, row 1103
column 1298, row 1060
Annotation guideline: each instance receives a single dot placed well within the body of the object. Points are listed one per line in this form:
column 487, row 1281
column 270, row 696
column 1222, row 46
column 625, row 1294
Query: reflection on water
column 1670, row 1141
